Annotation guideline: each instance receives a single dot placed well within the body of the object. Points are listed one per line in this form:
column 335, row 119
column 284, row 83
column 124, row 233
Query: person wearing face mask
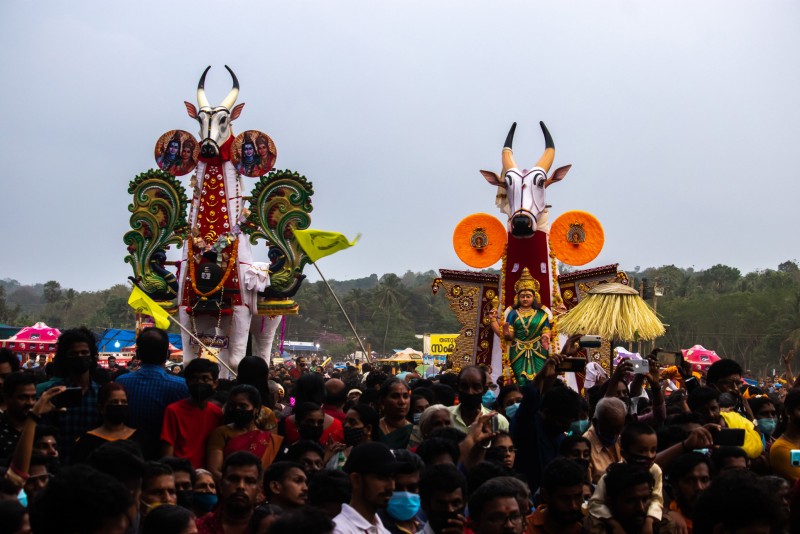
column 638, row 444
column 75, row 361
column 310, row 421
column 765, row 418
column 360, row 423
column 472, row 385
column 204, row 498
column 400, row 515
column 188, row 423
column 185, row 479
column 603, row 434
column 112, row 403
column 579, row 450
column 508, row 401
column 241, row 433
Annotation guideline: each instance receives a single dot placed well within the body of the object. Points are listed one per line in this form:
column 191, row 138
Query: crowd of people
column 367, row 450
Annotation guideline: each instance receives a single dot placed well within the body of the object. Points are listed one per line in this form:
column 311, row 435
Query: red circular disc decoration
column 480, row 240
column 176, row 152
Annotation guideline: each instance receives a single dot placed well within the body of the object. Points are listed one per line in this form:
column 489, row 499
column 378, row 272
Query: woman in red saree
column 241, row 433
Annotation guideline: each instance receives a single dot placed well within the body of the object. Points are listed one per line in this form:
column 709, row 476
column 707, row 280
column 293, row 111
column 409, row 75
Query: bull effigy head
column 215, row 123
column 522, row 192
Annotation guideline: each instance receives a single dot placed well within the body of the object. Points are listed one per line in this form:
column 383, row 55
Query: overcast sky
column 681, row 120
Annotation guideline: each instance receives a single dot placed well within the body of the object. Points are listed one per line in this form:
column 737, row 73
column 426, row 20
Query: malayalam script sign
column 440, row 344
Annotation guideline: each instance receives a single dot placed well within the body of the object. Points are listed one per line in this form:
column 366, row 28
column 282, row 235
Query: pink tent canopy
column 37, row 338
column 700, row 357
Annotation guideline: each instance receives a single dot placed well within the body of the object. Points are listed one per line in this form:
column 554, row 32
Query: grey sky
column 680, row 119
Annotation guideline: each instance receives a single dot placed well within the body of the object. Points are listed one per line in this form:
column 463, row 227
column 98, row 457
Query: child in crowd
column 638, row 444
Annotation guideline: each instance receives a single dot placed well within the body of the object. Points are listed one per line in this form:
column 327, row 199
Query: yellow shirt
column 780, row 458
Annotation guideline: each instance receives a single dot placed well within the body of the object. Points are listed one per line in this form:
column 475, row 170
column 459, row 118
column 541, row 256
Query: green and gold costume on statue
column 529, row 347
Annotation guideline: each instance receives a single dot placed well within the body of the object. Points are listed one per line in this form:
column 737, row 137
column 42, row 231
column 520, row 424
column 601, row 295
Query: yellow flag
column 140, row 302
column 319, row 243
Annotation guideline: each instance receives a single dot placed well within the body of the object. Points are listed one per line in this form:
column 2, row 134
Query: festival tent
column 115, row 340
column 403, row 356
column 38, row 338
column 700, row 357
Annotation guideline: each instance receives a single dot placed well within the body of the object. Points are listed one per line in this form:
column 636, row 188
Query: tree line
column 752, row 318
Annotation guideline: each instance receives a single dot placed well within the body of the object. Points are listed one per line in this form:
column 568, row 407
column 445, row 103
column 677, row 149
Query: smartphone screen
column 729, row 436
column 572, row 365
column 68, row 398
column 589, row 342
column 640, row 367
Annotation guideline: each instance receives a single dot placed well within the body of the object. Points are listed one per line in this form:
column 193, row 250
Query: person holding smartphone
column 704, row 401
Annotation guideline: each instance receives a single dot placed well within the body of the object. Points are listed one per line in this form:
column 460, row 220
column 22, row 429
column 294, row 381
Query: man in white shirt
column 371, row 467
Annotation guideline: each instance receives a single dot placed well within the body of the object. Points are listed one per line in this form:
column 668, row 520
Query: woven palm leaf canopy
column 615, row 312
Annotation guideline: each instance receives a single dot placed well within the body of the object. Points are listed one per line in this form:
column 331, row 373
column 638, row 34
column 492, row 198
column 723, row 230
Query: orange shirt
column 536, row 524
column 602, row 456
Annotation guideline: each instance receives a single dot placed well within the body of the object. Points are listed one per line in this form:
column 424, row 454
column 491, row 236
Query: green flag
column 319, row 243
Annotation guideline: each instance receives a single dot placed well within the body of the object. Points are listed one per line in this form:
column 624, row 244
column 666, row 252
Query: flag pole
column 353, row 328
column 208, row 349
column 191, row 334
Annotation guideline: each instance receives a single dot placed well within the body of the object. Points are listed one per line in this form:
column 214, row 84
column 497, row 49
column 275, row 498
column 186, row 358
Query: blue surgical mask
column 403, row 505
column 511, row 411
column 488, row 399
column 579, row 427
column 204, row 501
column 766, row 426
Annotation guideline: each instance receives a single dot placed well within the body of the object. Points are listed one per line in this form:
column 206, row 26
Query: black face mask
column 241, row 418
column 200, row 391
column 185, row 498
column 312, row 433
column 470, row 402
column 116, row 413
column 353, row 436
column 77, row 365
column 438, row 520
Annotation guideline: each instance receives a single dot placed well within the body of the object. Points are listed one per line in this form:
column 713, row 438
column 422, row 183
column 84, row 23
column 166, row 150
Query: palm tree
column 389, row 295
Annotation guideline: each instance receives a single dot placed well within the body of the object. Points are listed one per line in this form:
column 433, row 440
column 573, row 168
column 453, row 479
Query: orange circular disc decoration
column 576, row 237
column 480, row 240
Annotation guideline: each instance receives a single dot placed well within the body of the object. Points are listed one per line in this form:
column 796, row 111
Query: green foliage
column 751, row 318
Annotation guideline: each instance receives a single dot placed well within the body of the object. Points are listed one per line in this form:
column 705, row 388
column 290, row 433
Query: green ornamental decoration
column 279, row 204
column 158, row 220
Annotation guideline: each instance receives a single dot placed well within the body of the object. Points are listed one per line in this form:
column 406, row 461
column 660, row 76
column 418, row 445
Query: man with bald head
column 603, row 435
column 335, row 397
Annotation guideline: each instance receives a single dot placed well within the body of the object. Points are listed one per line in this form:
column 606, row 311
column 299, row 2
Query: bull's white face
column 526, row 199
column 215, row 129
column 521, row 193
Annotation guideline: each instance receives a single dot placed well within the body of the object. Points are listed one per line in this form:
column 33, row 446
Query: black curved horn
column 202, row 101
column 230, row 100
column 548, row 140
column 235, row 80
column 510, row 136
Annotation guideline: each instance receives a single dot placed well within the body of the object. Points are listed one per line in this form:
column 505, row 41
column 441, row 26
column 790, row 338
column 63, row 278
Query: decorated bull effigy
column 519, row 326
column 220, row 293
